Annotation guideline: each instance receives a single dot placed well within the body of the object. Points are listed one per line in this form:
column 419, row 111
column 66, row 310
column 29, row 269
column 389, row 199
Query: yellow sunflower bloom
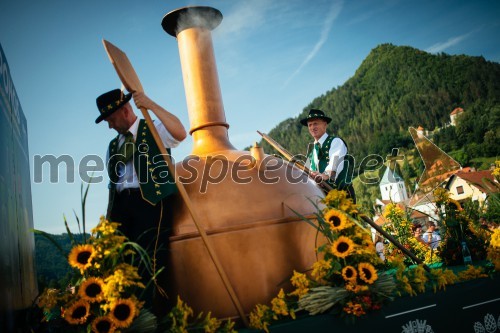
column 454, row 204
column 342, row 247
column 103, row 325
column 123, row 312
column 91, row 289
column 81, row 256
column 349, row 273
column 77, row 313
column 336, row 219
column 367, row 272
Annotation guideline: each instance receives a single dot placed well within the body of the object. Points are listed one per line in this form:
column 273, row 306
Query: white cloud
column 440, row 47
column 247, row 15
column 327, row 25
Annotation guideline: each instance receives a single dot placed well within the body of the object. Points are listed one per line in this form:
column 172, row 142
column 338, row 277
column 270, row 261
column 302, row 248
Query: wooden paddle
column 130, row 80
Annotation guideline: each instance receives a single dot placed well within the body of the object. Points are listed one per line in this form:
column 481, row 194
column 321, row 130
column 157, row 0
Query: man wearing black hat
column 328, row 160
column 139, row 179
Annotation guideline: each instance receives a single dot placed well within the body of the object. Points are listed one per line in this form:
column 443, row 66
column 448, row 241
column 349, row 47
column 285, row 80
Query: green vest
column 155, row 180
column 344, row 178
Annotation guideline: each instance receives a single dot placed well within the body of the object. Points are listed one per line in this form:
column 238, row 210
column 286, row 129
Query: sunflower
column 103, row 325
column 81, row 256
column 367, row 272
column 337, row 220
column 91, row 289
column 123, row 312
column 342, row 247
column 349, row 273
column 453, row 204
column 77, row 313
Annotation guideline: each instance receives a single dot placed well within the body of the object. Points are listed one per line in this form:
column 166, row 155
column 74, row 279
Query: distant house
column 454, row 114
column 423, row 208
column 420, row 131
column 468, row 183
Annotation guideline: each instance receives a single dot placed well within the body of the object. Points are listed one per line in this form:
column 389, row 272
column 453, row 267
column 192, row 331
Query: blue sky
column 273, row 58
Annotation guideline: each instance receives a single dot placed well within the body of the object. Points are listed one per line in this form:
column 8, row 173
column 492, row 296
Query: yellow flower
column 124, row 276
column 334, row 197
column 81, row 256
column 349, row 273
column 259, row 318
column 342, row 247
column 48, row 299
column 441, row 195
column 495, row 238
column 336, row 219
column 355, row 288
column 472, row 273
column 442, row 278
column 300, row 282
column 123, row 312
column 103, row 325
column 393, row 211
column 91, row 289
column 367, row 272
column 338, row 199
column 210, row 325
column 105, row 227
column 496, row 171
column 320, row 269
column 354, row 308
column 77, row 313
column 279, row 306
column 419, row 278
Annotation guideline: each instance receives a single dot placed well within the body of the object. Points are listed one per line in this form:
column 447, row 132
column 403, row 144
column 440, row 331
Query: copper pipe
column 192, row 27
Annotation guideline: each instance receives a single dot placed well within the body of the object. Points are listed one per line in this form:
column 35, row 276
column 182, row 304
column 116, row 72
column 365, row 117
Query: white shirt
column 337, row 152
column 434, row 239
column 379, row 247
column 127, row 175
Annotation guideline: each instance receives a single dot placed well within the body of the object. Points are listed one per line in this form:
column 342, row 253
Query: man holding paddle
column 140, row 181
column 329, row 158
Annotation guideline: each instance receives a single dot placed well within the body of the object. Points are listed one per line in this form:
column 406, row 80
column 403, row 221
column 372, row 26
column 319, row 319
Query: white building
column 392, row 186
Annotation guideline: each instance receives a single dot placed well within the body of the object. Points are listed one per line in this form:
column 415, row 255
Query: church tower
column 392, row 186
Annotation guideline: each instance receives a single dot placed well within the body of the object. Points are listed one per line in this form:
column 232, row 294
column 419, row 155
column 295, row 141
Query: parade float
column 271, row 254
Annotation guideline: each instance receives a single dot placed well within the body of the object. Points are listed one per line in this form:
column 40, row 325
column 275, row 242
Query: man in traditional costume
column 329, row 160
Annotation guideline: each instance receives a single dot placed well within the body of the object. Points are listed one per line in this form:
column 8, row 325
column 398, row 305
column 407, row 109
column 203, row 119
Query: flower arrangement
column 102, row 294
column 106, row 291
column 345, row 280
column 349, row 279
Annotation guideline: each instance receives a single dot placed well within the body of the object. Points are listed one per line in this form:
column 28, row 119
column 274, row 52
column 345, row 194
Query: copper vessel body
column 246, row 199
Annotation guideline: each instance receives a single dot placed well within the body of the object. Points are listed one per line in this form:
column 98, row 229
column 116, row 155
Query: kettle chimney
column 192, row 27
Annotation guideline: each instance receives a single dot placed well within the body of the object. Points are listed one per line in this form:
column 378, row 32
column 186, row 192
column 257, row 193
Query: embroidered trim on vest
column 155, row 180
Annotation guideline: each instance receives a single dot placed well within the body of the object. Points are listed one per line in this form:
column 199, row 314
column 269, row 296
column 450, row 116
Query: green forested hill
column 396, row 87
column 51, row 264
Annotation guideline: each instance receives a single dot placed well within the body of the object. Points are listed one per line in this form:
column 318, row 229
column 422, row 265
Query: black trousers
column 149, row 226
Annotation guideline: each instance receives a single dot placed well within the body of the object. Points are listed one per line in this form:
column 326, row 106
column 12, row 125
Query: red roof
column 481, row 179
column 457, row 111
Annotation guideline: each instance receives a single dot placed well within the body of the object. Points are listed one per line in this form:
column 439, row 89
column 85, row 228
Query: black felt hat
column 109, row 102
column 314, row 114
